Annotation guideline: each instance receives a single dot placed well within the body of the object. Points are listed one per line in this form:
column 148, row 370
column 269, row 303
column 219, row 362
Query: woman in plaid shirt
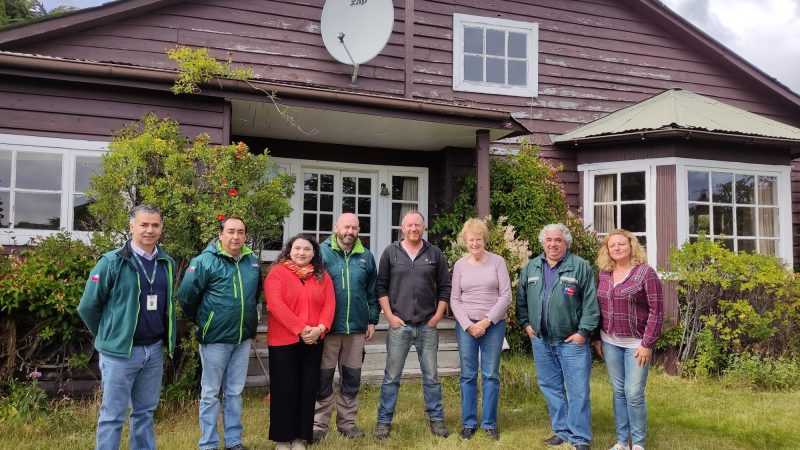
column 632, row 309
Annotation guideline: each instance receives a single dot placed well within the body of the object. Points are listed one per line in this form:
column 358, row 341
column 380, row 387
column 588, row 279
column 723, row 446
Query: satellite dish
column 355, row 31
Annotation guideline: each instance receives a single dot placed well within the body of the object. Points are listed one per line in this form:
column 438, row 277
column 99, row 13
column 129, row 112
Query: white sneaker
column 298, row 444
column 619, row 446
column 283, row 446
column 638, row 447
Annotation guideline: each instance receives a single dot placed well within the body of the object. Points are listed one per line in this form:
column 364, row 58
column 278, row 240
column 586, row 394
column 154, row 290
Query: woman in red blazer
column 301, row 304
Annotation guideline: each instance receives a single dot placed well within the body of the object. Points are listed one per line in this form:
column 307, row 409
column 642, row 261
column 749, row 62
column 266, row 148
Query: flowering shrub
column 24, row 401
column 194, row 183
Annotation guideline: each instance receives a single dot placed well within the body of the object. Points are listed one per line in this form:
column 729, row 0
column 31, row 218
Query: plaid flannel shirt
column 633, row 308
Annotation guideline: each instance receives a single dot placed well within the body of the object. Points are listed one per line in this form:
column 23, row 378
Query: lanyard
column 152, row 278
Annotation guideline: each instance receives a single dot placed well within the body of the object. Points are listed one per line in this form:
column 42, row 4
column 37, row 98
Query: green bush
column 781, row 373
column 732, row 304
column 40, row 289
column 23, row 401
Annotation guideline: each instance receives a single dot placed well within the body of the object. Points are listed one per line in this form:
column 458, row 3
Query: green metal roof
column 678, row 109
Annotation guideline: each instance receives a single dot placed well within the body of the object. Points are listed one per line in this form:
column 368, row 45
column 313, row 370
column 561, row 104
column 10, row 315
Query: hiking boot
column 492, row 433
column 438, row 428
column 582, row 447
column 236, row 447
column 352, row 433
column 317, row 436
column 382, row 430
column 553, row 441
column 467, row 433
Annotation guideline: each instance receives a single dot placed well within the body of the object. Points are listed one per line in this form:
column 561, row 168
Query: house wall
column 77, row 111
column 595, row 57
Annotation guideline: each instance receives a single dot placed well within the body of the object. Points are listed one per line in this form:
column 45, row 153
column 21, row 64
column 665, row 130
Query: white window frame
column 530, row 29
column 590, row 171
column 381, row 226
column 682, row 167
column 784, row 201
column 69, row 149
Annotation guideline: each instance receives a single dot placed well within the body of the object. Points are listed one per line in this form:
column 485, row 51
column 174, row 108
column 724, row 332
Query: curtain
column 604, row 187
column 767, row 216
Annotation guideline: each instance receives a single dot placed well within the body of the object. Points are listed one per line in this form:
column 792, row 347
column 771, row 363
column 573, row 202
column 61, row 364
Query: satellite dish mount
column 340, row 36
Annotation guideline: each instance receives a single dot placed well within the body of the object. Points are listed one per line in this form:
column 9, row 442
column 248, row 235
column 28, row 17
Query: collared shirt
column 141, row 252
column 549, row 276
column 634, row 307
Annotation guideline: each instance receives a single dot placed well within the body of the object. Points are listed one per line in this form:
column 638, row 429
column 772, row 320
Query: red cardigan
column 293, row 305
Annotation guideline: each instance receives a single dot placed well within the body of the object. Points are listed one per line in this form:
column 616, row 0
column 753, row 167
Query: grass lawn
column 683, row 414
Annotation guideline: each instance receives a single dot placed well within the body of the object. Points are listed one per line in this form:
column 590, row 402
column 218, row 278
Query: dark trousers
column 294, row 375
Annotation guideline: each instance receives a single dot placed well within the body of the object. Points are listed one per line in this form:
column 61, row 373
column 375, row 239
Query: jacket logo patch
column 569, row 280
column 255, row 264
column 569, row 290
column 191, row 269
column 96, row 277
column 533, row 279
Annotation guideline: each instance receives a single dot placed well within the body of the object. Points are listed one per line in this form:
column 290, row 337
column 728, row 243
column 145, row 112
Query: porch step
column 374, row 355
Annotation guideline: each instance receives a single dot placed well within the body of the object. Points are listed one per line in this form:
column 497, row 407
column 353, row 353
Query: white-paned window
column 620, row 201
column 378, row 195
column 495, row 56
column 42, row 185
column 738, row 208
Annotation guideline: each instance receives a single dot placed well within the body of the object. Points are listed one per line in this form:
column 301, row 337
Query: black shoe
column 236, row 447
column 582, row 447
column 438, row 428
column 553, row 440
column 317, row 436
column 352, row 433
column 467, row 433
column 492, row 433
column 382, row 430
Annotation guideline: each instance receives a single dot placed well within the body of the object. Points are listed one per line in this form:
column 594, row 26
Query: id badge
column 152, row 302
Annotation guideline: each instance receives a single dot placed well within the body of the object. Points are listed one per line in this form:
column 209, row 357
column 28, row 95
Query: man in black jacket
column 413, row 289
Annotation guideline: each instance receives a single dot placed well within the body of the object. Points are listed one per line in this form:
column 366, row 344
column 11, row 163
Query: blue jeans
column 628, row 381
column 134, row 381
column 398, row 343
column 487, row 349
column 562, row 371
column 225, row 368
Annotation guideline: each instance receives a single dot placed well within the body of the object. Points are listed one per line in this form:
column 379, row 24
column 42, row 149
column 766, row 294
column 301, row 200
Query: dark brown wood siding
column 666, row 234
column 73, row 111
column 796, row 211
column 595, row 57
column 683, row 148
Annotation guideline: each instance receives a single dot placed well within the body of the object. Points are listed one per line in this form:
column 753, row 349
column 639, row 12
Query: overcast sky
column 764, row 32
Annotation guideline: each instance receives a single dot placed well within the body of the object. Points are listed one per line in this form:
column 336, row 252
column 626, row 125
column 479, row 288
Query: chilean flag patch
column 569, row 291
column 191, row 268
column 96, row 277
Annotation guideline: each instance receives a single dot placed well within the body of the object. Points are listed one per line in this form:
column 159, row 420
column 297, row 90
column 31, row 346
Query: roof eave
column 77, row 21
column 163, row 79
column 682, row 133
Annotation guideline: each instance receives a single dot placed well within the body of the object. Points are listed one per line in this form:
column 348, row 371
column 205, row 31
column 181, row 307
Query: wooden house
column 457, row 82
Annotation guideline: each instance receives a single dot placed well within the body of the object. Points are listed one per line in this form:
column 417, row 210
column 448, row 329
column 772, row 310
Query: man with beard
column 353, row 271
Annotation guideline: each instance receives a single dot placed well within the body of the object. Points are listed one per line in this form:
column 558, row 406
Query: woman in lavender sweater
column 632, row 309
column 480, row 298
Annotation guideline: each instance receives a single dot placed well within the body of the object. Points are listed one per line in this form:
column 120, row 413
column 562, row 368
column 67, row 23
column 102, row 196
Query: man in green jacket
column 219, row 294
column 558, row 309
column 353, row 271
column 128, row 307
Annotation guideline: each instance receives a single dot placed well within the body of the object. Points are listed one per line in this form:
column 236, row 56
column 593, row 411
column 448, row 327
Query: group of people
column 324, row 302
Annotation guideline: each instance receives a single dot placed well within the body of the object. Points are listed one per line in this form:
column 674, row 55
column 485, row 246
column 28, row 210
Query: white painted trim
column 531, row 29
column 381, row 228
column 782, row 172
column 650, row 197
column 69, row 149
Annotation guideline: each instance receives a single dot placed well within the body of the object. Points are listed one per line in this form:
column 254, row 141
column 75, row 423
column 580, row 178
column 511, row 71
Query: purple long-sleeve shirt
column 480, row 291
column 633, row 308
